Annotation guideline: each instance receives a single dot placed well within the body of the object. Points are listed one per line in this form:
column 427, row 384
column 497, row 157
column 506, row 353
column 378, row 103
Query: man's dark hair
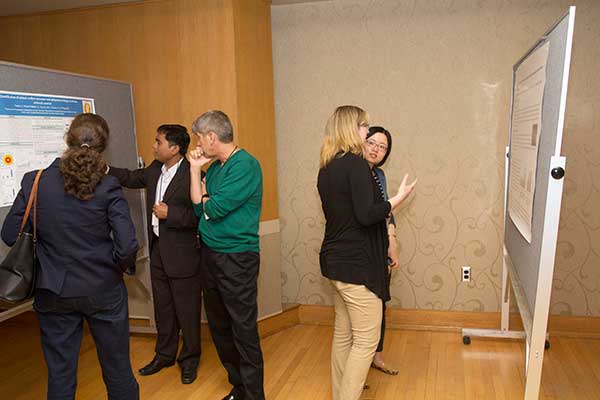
column 176, row 135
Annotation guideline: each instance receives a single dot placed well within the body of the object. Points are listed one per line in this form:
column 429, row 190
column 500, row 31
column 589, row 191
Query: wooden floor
column 433, row 365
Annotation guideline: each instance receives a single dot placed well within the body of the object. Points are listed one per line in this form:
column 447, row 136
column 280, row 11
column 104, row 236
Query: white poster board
column 530, row 238
column 38, row 105
column 526, row 123
column 32, row 130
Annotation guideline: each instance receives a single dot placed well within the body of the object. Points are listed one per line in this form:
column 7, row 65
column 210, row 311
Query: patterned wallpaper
column 438, row 75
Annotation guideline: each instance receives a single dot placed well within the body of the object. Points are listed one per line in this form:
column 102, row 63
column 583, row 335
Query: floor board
column 433, row 365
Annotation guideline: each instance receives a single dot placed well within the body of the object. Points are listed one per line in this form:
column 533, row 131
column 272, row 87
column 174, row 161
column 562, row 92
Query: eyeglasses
column 378, row 146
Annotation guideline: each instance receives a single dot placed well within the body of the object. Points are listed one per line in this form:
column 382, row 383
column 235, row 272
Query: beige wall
column 437, row 74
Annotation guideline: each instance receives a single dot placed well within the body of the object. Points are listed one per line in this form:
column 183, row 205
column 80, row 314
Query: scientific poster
column 32, row 129
column 530, row 80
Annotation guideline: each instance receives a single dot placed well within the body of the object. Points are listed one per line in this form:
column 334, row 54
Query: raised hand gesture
column 197, row 158
column 406, row 188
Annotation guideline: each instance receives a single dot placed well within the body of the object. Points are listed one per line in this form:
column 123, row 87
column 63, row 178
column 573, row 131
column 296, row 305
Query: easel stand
column 508, row 273
column 504, row 332
column 528, row 264
column 535, row 325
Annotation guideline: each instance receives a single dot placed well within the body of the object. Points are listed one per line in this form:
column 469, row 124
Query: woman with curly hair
column 85, row 242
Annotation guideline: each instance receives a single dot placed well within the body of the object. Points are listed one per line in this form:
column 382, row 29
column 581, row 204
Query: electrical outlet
column 466, row 273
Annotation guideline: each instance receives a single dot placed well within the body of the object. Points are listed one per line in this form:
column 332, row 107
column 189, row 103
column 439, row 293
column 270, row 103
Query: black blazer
column 177, row 233
column 83, row 246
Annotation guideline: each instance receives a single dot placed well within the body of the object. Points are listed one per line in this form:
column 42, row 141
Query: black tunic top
column 355, row 245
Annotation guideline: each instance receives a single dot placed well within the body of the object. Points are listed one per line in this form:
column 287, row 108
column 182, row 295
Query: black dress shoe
column 188, row 374
column 155, row 365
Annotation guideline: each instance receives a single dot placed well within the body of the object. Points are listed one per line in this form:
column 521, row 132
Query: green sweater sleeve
column 198, row 210
column 236, row 188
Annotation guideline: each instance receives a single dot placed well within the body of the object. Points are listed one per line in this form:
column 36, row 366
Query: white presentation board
column 36, row 105
column 32, row 129
column 534, row 180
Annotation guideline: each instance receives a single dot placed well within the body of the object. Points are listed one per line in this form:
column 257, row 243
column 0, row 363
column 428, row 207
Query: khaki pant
column 355, row 337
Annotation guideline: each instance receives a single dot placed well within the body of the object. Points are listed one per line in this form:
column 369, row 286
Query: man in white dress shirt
column 174, row 259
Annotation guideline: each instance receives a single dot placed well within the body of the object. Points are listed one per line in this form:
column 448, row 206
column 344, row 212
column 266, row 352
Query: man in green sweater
column 228, row 205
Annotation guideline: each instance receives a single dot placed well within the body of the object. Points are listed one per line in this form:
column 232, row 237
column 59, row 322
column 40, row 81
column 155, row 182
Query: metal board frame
column 114, row 101
column 533, row 298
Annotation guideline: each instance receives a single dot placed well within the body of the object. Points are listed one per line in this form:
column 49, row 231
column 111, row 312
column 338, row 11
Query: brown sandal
column 383, row 368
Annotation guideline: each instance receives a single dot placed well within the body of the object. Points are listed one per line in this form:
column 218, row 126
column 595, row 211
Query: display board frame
column 528, row 267
column 113, row 100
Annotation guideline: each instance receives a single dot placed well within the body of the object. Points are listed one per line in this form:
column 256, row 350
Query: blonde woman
column 354, row 251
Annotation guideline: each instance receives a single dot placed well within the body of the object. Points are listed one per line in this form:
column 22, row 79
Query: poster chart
column 32, row 129
column 530, row 80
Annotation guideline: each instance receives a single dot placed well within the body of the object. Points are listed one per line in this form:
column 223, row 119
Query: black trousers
column 61, row 326
column 230, row 290
column 177, row 303
column 382, row 335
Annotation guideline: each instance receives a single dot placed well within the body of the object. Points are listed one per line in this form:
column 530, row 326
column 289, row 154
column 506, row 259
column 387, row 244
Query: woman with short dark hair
column 378, row 147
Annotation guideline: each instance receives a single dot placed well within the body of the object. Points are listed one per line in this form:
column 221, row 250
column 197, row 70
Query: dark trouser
column 230, row 289
column 380, row 345
column 176, row 307
column 61, row 325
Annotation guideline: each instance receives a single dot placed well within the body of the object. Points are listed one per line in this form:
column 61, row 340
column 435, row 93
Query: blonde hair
column 341, row 133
